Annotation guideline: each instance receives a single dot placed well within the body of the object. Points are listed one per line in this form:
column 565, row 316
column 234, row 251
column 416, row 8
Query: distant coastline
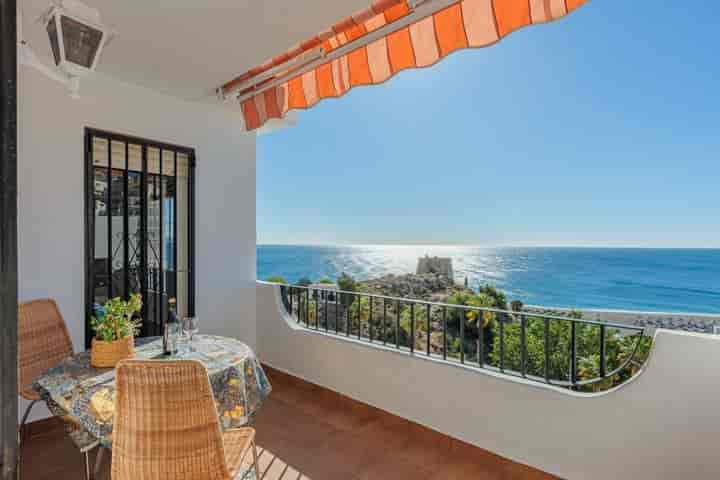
column 505, row 246
column 662, row 280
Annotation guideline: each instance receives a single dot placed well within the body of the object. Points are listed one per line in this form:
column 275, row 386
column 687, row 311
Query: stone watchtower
column 436, row 265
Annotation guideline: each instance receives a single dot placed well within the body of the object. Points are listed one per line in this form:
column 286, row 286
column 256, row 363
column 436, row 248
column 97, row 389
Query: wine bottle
column 170, row 332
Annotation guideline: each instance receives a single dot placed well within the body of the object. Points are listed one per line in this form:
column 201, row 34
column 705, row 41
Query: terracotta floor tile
column 309, row 433
column 424, row 450
column 390, row 436
column 353, row 451
column 397, row 469
column 349, row 419
column 323, row 467
column 289, row 453
column 295, row 427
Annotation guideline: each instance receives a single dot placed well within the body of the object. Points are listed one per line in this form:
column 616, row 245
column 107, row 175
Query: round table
column 86, row 395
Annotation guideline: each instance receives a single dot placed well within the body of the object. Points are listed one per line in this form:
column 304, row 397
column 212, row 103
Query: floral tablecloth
column 86, row 395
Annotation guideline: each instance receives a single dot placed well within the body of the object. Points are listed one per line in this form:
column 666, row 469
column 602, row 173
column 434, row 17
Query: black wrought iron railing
column 565, row 351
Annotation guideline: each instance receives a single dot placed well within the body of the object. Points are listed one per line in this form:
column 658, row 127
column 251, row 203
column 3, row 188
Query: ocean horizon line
column 656, row 279
column 459, row 245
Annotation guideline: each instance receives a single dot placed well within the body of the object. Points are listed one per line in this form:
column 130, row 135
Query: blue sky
column 600, row 129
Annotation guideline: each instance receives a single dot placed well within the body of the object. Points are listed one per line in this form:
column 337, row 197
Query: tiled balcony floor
column 309, row 433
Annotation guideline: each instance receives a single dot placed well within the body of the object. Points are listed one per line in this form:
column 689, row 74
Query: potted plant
column 115, row 329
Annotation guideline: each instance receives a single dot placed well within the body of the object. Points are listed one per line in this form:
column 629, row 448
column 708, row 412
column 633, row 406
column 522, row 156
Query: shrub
column 347, row 283
column 499, row 300
column 276, row 279
column 618, row 348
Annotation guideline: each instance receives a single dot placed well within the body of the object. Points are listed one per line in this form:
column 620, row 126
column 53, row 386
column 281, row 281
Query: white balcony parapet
column 663, row 423
column 566, row 351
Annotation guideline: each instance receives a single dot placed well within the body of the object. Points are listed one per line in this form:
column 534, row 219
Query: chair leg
column 98, row 462
column 21, row 437
column 255, row 460
column 86, row 456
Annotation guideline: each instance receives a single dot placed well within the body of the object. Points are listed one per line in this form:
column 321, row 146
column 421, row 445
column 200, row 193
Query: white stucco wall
column 664, row 424
column 51, row 224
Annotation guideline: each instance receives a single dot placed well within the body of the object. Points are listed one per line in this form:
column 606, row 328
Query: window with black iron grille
column 139, row 225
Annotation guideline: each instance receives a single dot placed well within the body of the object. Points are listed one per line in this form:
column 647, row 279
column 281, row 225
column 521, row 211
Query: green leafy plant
column 277, row 279
column 325, row 281
column 619, row 347
column 347, row 283
column 115, row 320
column 470, row 299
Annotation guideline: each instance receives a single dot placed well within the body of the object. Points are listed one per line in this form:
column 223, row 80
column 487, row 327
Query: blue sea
column 661, row 280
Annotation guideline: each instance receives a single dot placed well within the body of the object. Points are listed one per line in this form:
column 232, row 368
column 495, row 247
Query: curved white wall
column 665, row 424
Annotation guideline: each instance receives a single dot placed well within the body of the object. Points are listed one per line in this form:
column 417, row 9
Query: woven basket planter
column 108, row 354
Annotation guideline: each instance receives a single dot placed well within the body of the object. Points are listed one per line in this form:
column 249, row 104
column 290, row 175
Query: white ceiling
column 188, row 48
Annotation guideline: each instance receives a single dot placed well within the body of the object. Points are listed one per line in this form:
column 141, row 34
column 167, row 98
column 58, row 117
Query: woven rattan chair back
column 166, row 423
column 43, row 342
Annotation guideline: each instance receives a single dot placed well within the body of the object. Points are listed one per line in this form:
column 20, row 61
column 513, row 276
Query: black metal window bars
column 565, row 352
column 125, row 178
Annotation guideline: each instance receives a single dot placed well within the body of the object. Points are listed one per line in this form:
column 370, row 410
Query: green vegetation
column 618, row 346
column 408, row 324
column 304, row 282
column 347, row 283
column 115, row 320
column 276, row 279
column 488, row 297
column 325, row 281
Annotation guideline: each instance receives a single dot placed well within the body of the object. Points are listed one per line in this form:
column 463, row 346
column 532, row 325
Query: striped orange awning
column 420, row 43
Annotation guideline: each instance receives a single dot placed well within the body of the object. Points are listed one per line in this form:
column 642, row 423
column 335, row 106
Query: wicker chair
column 43, row 342
column 166, row 425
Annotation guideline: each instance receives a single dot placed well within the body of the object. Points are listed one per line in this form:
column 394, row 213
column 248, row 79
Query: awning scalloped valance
column 357, row 51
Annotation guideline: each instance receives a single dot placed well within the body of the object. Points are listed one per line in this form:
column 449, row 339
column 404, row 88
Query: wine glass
column 190, row 328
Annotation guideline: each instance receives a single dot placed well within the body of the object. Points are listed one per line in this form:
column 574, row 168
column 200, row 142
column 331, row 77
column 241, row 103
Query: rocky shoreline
column 437, row 288
column 434, row 282
column 426, row 286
